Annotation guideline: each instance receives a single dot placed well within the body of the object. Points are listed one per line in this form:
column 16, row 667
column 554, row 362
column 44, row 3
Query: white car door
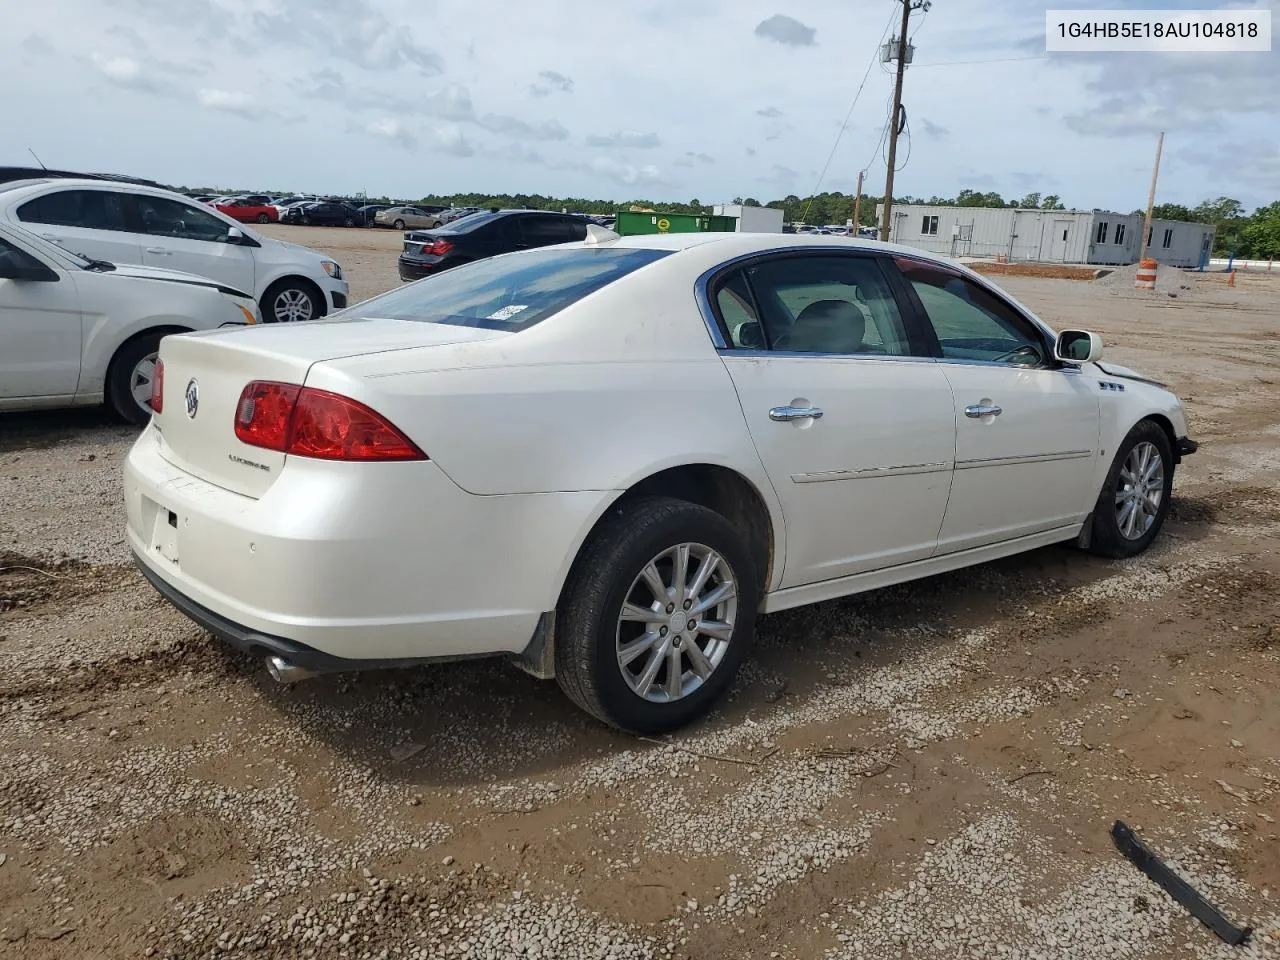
column 92, row 223
column 856, row 434
column 1027, row 429
column 181, row 236
column 40, row 326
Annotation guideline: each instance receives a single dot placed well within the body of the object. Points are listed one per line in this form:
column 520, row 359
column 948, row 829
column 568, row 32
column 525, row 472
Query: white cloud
column 625, row 139
column 228, row 101
column 625, row 173
column 391, row 130
column 515, row 127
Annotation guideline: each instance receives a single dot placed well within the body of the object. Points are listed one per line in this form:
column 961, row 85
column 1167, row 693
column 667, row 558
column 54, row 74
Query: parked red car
column 248, row 210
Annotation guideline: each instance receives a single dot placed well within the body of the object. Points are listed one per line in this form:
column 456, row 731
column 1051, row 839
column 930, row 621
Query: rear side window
column 541, row 231
column 88, row 209
column 509, row 293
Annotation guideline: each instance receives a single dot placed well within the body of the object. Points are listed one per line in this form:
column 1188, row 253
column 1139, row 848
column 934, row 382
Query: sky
column 660, row 99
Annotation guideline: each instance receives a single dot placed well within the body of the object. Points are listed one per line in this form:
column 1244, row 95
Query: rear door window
column 87, row 209
column 541, row 231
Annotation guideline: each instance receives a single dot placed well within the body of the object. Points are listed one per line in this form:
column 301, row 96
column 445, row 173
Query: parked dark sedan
column 323, row 213
column 481, row 235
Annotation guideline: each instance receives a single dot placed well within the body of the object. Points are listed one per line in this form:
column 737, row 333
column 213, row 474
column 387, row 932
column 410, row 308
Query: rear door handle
column 978, row 410
column 783, row 414
column 160, row 250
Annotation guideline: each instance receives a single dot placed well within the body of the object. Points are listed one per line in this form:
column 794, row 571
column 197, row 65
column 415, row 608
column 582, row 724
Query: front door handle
column 783, row 414
column 160, row 250
column 978, row 410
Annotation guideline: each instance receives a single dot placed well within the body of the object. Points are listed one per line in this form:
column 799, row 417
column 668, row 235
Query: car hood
column 139, row 272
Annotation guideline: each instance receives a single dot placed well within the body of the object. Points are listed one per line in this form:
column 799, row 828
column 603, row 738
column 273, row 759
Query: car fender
column 1124, row 404
column 123, row 311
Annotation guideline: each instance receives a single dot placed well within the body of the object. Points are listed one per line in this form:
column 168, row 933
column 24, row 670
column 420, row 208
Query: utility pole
column 857, row 203
column 1151, row 199
column 901, row 43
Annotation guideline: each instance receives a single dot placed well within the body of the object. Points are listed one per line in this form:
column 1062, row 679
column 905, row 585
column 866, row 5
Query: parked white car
column 605, row 458
column 76, row 331
column 130, row 223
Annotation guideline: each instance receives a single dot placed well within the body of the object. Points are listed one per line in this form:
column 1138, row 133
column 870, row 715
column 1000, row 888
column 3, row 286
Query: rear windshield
column 473, row 220
column 508, row 293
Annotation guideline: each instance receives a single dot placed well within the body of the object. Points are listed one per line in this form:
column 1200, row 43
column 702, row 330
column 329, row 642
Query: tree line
column 1251, row 236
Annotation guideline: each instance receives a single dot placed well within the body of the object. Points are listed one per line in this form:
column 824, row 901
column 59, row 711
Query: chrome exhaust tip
column 282, row 671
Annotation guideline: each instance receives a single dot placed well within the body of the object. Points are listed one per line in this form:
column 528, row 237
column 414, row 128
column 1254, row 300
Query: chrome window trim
column 1005, row 365
column 1024, row 458
column 731, row 352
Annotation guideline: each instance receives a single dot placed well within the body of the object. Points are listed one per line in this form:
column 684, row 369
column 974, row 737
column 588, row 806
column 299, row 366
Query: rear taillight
column 157, row 388
column 438, row 249
column 315, row 423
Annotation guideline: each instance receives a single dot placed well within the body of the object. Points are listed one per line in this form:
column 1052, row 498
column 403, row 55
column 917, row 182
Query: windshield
column 510, row 292
column 43, row 247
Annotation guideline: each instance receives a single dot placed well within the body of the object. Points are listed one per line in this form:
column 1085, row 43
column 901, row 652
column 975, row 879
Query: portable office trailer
column 1055, row 236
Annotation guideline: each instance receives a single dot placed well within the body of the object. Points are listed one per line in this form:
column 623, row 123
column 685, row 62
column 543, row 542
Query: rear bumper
column 414, row 269
column 353, row 565
column 259, row 644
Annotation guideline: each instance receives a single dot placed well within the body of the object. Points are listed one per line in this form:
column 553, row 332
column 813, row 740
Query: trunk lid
column 205, row 373
column 416, row 240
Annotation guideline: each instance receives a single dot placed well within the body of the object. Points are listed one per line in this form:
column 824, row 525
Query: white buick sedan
column 605, row 459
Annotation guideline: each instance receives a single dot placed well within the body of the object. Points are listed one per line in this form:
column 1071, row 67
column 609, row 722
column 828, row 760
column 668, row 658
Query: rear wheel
column 656, row 616
column 1135, row 497
column 290, row 300
column 263, row 218
column 130, row 376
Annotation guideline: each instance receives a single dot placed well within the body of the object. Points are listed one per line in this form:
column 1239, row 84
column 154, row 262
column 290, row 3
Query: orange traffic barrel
column 1146, row 279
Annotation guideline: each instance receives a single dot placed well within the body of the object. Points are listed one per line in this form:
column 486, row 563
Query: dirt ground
column 929, row 771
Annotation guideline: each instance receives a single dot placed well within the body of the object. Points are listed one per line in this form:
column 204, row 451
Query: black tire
column 349, row 222
column 120, row 373
column 435, row 224
column 587, row 665
column 1107, row 538
column 263, row 218
column 399, row 224
column 292, row 286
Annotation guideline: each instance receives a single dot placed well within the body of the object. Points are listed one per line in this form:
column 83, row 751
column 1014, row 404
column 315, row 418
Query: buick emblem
column 193, row 398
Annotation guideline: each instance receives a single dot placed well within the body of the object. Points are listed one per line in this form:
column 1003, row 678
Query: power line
column 957, row 63
column 835, row 146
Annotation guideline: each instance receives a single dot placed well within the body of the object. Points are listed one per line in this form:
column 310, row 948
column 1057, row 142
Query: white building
column 751, row 219
column 1057, row 236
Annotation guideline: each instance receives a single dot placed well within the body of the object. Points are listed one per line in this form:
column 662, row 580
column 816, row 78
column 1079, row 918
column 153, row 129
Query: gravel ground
column 927, row 771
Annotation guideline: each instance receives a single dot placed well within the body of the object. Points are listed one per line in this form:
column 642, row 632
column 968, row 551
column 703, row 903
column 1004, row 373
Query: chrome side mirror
column 1078, row 346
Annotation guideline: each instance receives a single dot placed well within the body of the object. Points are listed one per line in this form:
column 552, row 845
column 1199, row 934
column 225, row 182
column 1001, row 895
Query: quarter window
column 88, row 209
column 162, row 217
column 970, row 322
column 821, row 305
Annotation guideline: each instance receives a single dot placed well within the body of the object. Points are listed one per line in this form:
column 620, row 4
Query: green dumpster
column 630, row 223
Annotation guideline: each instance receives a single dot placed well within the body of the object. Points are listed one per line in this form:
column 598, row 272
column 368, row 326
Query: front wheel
column 399, row 224
column 290, row 300
column 656, row 616
column 349, row 222
column 1135, row 497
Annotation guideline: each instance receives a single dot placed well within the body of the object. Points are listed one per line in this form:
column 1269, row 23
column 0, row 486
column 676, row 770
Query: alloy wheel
column 292, row 304
column 1140, row 491
column 140, row 380
column 676, row 622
